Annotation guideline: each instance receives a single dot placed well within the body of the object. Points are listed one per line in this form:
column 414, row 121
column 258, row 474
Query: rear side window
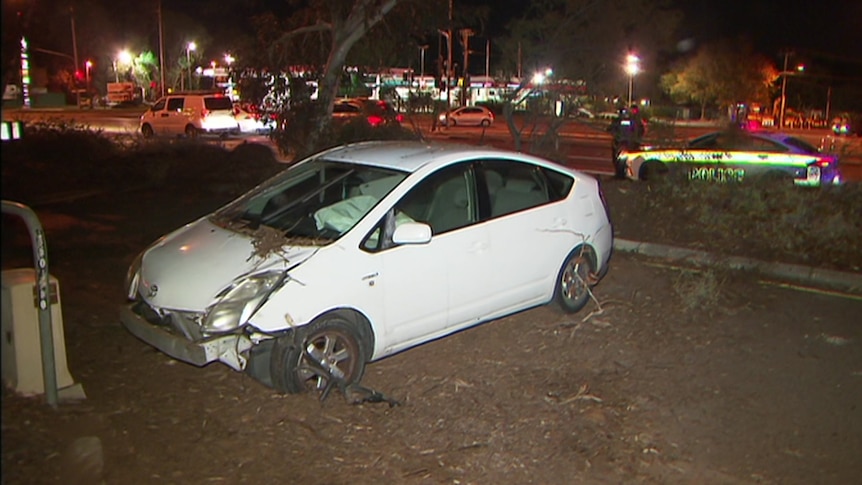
column 514, row 186
column 175, row 104
column 345, row 108
column 218, row 103
column 802, row 145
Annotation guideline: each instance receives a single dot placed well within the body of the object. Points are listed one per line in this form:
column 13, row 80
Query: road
column 586, row 143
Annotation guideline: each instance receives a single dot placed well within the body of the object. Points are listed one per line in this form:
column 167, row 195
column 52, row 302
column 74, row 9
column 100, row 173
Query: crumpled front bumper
column 225, row 348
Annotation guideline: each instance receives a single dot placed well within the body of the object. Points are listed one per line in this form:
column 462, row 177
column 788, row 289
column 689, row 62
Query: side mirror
column 412, row 233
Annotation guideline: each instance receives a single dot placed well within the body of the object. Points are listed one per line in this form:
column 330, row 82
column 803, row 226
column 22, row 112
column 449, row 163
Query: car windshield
column 314, row 202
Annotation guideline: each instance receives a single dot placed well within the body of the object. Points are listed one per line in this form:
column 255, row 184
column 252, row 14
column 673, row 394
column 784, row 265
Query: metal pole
column 449, row 60
column 161, row 51
column 519, row 62
column 488, row 58
column 46, row 328
column 631, row 83
column 189, row 63
column 75, row 54
column 783, row 91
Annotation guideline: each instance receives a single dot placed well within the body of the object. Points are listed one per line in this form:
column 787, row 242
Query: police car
column 736, row 155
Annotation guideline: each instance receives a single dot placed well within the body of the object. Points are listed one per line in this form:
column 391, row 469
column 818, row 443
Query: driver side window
column 446, row 201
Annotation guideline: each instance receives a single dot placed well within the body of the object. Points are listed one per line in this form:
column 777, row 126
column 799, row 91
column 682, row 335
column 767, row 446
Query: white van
column 190, row 115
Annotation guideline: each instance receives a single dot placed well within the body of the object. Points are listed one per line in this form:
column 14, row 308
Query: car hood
column 186, row 269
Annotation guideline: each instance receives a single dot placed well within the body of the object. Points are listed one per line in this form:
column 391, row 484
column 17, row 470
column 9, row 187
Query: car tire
column 191, row 132
column 653, row 170
column 572, row 287
column 486, row 123
column 147, row 131
column 308, row 357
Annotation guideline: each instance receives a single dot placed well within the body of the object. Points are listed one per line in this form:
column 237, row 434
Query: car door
column 174, row 116
column 716, row 158
column 432, row 288
column 529, row 229
column 153, row 116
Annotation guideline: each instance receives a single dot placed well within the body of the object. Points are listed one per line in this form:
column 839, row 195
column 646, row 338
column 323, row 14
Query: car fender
column 633, row 167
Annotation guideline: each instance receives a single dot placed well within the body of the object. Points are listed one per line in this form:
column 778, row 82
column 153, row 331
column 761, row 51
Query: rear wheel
column 486, row 123
column 326, row 353
column 573, row 282
column 191, row 132
column 653, row 170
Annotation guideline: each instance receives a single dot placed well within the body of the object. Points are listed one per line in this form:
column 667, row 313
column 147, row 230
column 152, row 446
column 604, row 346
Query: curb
column 849, row 282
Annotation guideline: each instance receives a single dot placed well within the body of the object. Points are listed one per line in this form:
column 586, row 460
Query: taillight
column 375, row 120
column 399, row 117
column 204, row 113
column 824, row 162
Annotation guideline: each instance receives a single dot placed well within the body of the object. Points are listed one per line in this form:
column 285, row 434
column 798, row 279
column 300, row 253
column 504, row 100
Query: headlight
column 133, row 277
column 236, row 304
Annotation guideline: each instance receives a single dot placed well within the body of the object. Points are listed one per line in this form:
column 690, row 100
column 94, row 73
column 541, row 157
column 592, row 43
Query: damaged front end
column 193, row 294
column 220, row 333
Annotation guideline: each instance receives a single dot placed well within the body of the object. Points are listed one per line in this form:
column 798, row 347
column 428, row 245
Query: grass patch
column 820, row 226
column 51, row 160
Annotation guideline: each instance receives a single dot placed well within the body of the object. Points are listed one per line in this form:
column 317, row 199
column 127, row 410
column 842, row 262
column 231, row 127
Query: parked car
column 365, row 250
column 189, row 114
column 468, row 116
column 252, row 121
column 845, row 125
column 375, row 112
column 736, row 155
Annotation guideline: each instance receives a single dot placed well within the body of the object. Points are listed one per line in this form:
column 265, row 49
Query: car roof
column 410, row 156
column 775, row 136
column 787, row 140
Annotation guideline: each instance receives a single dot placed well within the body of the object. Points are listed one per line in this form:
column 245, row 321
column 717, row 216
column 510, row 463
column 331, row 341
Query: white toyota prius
column 365, row 250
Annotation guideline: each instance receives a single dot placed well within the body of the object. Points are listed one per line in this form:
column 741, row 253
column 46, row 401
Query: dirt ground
column 764, row 385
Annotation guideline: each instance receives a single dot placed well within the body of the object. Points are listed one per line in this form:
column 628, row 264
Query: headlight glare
column 239, row 302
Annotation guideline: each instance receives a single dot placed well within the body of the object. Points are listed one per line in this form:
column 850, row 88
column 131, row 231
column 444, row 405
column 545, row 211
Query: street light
column 541, row 76
column 632, row 68
column 126, row 58
column 784, row 75
column 189, row 48
column 422, row 49
column 87, row 66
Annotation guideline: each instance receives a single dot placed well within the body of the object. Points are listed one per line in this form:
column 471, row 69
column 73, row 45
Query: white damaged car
column 365, row 250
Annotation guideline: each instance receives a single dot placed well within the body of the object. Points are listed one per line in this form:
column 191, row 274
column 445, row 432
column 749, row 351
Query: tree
column 342, row 23
column 722, row 73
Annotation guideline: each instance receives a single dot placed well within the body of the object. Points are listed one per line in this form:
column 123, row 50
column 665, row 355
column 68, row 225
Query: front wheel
column 325, row 353
column 147, row 131
column 573, row 282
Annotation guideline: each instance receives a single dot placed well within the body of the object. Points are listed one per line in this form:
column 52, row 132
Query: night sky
column 825, row 29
